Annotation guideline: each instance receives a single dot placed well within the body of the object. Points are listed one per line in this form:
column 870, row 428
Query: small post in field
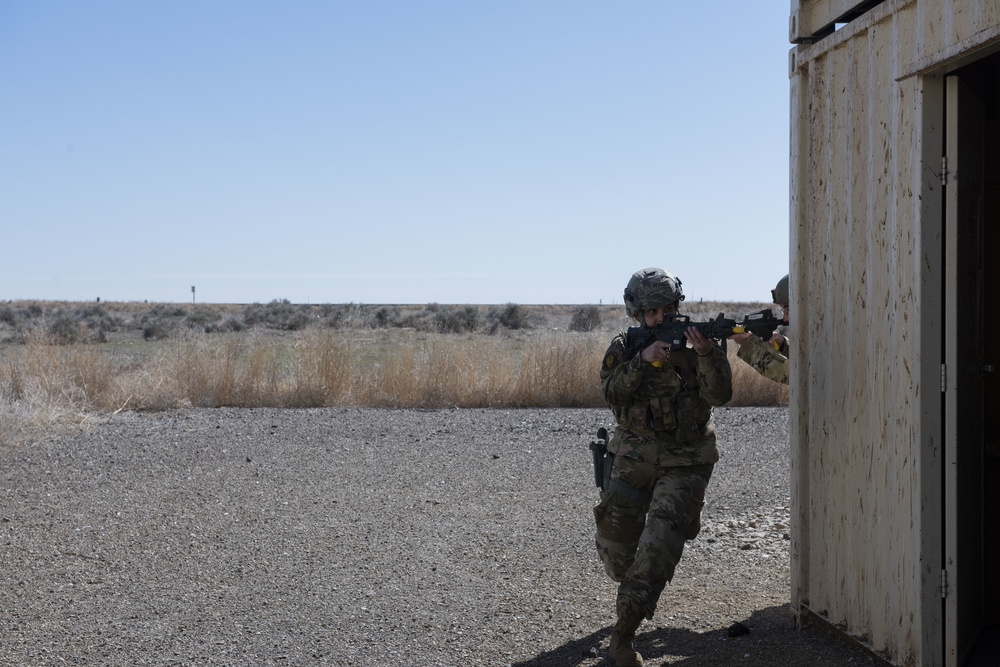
column 192, row 293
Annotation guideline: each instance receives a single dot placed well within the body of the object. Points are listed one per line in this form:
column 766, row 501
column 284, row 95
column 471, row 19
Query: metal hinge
column 944, row 584
column 944, row 377
column 944, row 170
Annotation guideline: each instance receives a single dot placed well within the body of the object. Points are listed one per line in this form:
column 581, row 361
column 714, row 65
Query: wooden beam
column 811, row 20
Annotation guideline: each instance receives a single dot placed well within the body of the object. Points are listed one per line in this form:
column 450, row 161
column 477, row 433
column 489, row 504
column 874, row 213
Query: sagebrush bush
column 230, row 325
column 64, row 330
column 279, row 314
column 167, row 310
column 386, row 317
column 157, row 329
column 203, row 318
column 8, row 316
column 341, row 316
column 511, row 316
column 585, row 318
column 463, row 320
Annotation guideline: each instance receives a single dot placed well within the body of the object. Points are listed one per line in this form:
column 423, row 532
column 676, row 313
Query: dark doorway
column 974, row 552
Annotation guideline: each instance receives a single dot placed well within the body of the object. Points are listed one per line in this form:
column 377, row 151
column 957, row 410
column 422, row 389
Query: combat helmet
column 779, row 295
column 651, row 288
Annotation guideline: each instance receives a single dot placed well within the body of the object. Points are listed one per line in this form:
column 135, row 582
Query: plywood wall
column 866, row 282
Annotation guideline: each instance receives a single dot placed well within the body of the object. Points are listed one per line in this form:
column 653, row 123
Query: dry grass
column 752, row 389
column 44, row 386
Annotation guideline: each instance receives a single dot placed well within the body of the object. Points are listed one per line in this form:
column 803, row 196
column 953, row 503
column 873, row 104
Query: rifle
column 673, row 330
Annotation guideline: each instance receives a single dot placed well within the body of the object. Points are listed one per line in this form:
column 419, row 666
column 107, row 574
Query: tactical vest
column 667, row 405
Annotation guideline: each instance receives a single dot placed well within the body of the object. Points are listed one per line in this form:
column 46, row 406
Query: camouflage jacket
column 664, row 414
column 763, row 358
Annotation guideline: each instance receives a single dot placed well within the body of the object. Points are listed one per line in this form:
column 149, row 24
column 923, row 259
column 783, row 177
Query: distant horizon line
column 98, row 300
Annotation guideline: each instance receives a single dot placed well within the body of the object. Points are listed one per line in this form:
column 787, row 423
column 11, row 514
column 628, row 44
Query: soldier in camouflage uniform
column 664, row 451
column 769, row 358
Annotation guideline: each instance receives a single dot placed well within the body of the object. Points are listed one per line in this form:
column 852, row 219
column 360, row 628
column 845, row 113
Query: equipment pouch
column 693, row 414
column 664, row 415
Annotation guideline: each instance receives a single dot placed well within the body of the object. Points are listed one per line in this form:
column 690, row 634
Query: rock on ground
column 374, row 537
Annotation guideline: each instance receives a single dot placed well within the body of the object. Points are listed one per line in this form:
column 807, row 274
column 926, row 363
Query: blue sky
column 391, row 151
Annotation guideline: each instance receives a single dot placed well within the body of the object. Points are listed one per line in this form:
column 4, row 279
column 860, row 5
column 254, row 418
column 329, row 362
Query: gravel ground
column 374, row 537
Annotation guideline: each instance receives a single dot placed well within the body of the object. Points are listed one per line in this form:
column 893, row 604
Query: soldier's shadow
column 571, row 653
column 772, row 637
column 593, row 649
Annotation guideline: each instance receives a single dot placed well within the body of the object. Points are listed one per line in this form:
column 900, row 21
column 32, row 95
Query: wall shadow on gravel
column 773, row 640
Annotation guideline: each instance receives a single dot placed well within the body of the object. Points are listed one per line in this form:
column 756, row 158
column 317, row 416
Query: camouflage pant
column 641, row 543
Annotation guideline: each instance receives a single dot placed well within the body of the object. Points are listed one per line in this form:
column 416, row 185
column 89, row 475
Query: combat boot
column 629, row 617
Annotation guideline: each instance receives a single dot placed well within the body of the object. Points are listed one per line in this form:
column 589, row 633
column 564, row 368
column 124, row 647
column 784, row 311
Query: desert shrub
column 64, row 330
column 334, row 316
column 278, row 314
column 422, row 320
column 161, row 321
column 203, row 319
column 90, row 310
column 229, row 325
column 462, row 320
column 433, row 318
column 157, row 329
column 341, row 316
column 8, row 316
column 167, row 310
column 510, row 316
column 360, row 316
column 98, row 321
column 387, row 317
column 585, row 318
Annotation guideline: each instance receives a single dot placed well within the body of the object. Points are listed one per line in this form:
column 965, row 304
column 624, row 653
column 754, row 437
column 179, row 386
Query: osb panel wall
column 866, row 236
